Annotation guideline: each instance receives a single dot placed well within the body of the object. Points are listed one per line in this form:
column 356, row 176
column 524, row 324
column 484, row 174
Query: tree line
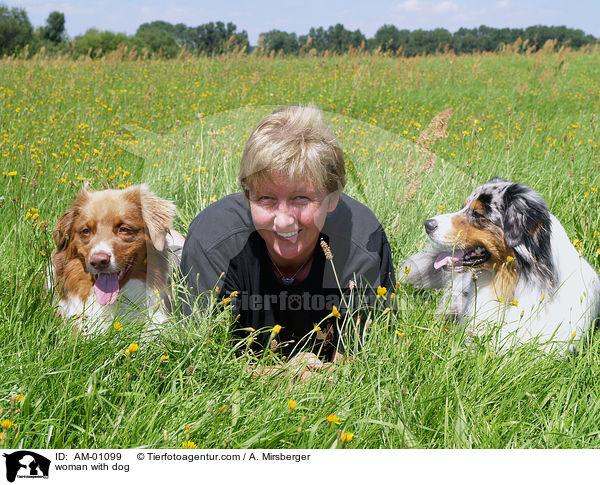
column 159, row 38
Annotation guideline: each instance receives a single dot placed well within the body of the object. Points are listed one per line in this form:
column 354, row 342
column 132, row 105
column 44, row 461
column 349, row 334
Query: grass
column 180, row 126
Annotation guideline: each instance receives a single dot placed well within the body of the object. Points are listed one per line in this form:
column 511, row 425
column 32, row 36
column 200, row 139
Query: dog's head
column 499, row 222
column 112, row 232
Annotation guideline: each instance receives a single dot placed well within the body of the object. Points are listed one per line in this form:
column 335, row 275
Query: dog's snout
column 100, row 260
column 430, row 225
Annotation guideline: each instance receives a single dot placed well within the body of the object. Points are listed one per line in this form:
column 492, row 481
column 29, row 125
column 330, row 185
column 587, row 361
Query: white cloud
column 431, row 14
column 503, row 4
column 437, row 8
column 410, row 6
column 444, row 7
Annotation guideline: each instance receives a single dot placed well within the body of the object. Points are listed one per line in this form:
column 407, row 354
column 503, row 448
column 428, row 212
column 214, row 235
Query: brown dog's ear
column 62, row 231
column 64, row 226
column 158, row 216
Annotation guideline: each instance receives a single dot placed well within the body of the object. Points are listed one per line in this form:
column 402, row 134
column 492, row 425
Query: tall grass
column 180, row 126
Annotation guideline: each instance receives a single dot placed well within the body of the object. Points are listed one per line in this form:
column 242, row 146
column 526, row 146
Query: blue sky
column 298, row 16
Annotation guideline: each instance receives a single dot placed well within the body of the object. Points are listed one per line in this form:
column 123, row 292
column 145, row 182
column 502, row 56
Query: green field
column 180, row 126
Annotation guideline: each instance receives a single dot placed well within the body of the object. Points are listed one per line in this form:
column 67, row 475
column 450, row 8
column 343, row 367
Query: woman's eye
column 264, row 200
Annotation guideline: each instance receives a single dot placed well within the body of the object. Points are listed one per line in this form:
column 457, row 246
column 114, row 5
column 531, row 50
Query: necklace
column 288, row 281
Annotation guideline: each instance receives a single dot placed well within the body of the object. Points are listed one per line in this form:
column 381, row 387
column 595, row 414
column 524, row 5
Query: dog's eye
column 85, row 232
column 476, row 214
column 125, row 230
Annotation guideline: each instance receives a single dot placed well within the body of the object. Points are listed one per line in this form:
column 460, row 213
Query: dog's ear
column 525, row 216
column 158, row 216
column 527, row 228
column 64, row 226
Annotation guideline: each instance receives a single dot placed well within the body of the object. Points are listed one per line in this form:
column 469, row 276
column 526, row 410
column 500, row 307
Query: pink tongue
column 107, row 288
column 446, row 259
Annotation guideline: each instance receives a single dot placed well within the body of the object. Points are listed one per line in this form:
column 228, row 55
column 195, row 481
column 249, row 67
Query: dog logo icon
column 26, row 464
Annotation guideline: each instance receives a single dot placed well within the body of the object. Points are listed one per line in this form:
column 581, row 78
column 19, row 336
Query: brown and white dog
column 113, row 256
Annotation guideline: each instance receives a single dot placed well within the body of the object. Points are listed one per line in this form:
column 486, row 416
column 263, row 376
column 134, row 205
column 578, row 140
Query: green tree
column 389, row 39
column 335, row 39
column 158, row 37
column 278, row 41
column 96, row 43
column 340, row 39
column 54, row 31
column 217, row 38
column 318, row 39
column 15, row 30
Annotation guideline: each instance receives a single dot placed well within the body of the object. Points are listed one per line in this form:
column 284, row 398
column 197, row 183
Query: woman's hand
column 301, row 366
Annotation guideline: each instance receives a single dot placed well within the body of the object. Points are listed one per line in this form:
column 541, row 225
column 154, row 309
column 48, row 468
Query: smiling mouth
column 107, row 285
column 462, row 258
column 287, row 234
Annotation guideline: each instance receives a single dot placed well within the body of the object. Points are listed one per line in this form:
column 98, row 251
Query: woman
column 267, row 247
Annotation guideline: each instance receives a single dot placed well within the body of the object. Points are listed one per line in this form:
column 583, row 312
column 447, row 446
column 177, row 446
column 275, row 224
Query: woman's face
column 289, row 217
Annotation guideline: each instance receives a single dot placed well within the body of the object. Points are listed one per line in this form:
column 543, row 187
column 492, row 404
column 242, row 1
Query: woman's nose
column 284, row 215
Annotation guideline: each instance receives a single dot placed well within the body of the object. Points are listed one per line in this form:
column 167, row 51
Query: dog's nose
column 100, row 260
column 430, row 225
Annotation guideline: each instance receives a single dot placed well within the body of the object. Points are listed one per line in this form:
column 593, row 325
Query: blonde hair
column 295, row 142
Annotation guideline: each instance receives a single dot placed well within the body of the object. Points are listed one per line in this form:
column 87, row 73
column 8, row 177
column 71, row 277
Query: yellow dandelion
column 335, row 312
column 405, row 271
column 381, row 291
column 399, row 333
column 291, row 404
column 6, row 423
column 346, row 437
column 276, row 330
column 227, row 301
column 234, row 294
column 133, row 347
column 20, row 398
column 118, row 326
column 11, row 174
column 163, row 358
column 509, row 259
column 188, row 444
column 332, row 418
column 515, row 303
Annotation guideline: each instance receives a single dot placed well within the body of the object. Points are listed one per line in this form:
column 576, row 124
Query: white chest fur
column 134, row 303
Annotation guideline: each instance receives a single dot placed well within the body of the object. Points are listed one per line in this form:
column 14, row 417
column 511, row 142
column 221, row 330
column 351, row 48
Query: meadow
column 180, row 125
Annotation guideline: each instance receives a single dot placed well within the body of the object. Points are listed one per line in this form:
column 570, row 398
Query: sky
column 257, row 16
